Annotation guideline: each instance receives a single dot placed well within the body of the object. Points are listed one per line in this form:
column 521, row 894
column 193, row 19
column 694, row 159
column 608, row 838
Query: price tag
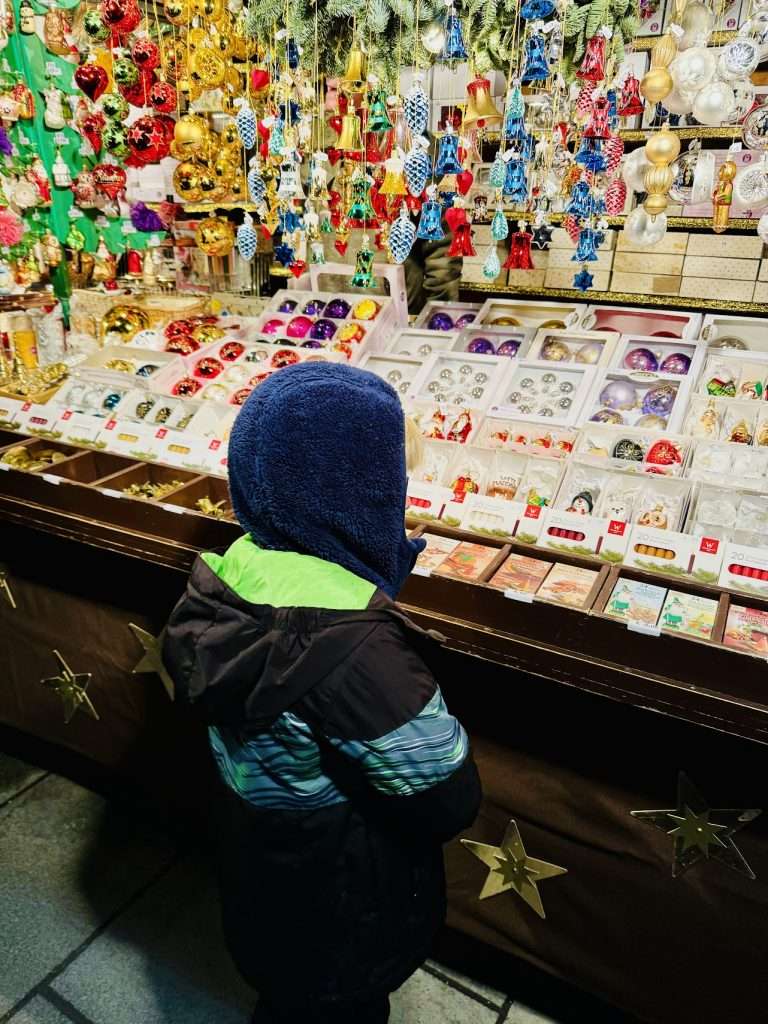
column 52, row 69
column 74, row 213
column 4, row 466
column 85, row 149
column 420, row 570
column 112, row 494
column 173, row 508
column 523, row 596
column 50, row 478
column 639, row 627
column 60, row 139
column 128, row 228
column 101, row 222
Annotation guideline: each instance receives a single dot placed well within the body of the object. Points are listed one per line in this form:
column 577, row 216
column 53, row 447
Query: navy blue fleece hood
column 317, row 465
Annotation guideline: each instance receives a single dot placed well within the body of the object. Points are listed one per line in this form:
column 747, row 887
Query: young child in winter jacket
column 343, row 770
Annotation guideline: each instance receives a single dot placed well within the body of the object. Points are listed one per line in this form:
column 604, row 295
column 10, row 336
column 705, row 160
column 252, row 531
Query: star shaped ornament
column 152, row 661
column 701, row 832
column 512, row 868
column 71, row 688
column 542, row 236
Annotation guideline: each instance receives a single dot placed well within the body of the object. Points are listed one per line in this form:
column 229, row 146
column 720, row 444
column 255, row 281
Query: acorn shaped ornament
column 246, row 239
column 402, row 235
column 417, row 166
column 246, row 125
column 416, row 107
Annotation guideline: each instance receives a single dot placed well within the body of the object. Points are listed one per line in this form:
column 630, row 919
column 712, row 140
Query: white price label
column 128, row 228
column 52, row 69
column 639, row 627
column 523, row 596
column 60, row 139
column 50, row 478
column 74, row 213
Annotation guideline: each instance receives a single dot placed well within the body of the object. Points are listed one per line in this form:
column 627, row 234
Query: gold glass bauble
column 664, row 51
column 223, row 43
column 186, row 181
column 242, row 47
column 196, row 37
column 207, row 333
column 177, row 11
column 229, row 136
column 238, row 189
column 124, row 321
column 208, row 67
column 210, row 9
column 215, row 236
column 655, row 204
column 505, row 321
column 656, row 85
column 663, row 147
column 228, row 103
column 234, row 80
column 189, row 134
column 176, row 61
column 224, row 169
column 208, row 184
column 658, row 179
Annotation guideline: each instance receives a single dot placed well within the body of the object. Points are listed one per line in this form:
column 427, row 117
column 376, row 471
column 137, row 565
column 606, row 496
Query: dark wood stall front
column 576, row 721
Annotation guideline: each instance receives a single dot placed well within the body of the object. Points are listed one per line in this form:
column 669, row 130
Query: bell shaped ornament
column 355, row 72
column 394, row 178
column 515, row 186
column 350, row 138
column 361, row 208
column 447, row 160
column 363, row 275
column 481, row 111
column 586, row 249
column 536, row 68
column 378, row 118
column 430, row 227
column 454, row 48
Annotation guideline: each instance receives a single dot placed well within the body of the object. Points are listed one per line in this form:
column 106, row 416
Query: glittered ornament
column 481, row 347
column 416, row 107
column 246, row 126
column 125, row 72
column 592, row 68
column 363, row 275
column 246, row 239
column 499, row 226
column 536, row 68
column 163, row 98
column 145, row 54
column 628, row 450
column 659, row 400
column 91, row 79
column 417, row 167
column 337, row 309
column 215, row 236
column 115, row 106
column 677, row 362
column 652, row 422
column 402, row 235
column 440, row 321
column 491, row 264
column 94, row 27
column 322, row 329
column 664, row 453
column 508, row 348
column 606, row 416
column 641, row 359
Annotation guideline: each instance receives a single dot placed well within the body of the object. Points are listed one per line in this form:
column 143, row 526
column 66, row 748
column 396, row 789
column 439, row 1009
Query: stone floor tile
column 424, row 999
column 519, row 1013
column 69, row 861
column 15, row 775
column 484, row 991
column 39, row 1011
column 162, row 962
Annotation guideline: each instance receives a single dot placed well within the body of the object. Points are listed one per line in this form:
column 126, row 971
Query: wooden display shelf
column 716, row 39
column 685, row 223
column 620, row 298
column 723, row 132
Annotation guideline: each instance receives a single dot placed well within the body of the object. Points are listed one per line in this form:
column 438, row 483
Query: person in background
column 430, row 273
column 343, row 771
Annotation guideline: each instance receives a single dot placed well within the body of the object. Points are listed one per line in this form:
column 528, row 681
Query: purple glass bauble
column 606, row 416
column 337, row 309
column 314, row 307
column 677, row 362
column 273, row 327
column 312, row 342
column 481, row 347
column 619, row 394
column 465, row 320
column 508, row 348
column 323, row 329
column 298, row 327
column 440, row 322
column 660, row 399
column 288, row 306
column 641, row 359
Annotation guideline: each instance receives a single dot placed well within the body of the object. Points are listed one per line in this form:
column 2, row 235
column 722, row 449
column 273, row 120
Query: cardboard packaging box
column 645, row 284
column 657, row 264
column 557, row 278
column 562, row 259
column 709, row 288
column 721, row 267
column 673, row 242
column 527, row 278
column 748, row 247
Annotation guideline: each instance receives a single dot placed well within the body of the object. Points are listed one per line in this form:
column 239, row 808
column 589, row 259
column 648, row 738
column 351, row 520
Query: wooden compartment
column 36, row 446
column 146, row 472
column 89, row 467
column 211, row 487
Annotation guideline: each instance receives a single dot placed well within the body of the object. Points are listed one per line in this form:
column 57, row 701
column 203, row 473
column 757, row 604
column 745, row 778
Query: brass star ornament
column 71, row 687
column 152, row 661
column 701, row 832
column 512, row 868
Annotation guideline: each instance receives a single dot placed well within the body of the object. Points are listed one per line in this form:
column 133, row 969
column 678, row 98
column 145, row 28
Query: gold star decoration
column 152, row 660
column 701, row 832
column 6, row 587
column 71, row 688
column 512, row 868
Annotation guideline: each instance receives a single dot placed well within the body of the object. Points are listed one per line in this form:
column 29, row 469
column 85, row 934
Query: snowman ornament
column 54, row 111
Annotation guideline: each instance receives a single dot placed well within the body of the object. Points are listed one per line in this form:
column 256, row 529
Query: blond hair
column 414, row 444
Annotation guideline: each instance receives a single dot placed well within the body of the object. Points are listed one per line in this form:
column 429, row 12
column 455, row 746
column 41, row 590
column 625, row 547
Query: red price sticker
column 532, row 511
column 67, row 415
column 709, row 545
column 214, row 446
column 161, row 433
column 617, row 528
column 111, row 424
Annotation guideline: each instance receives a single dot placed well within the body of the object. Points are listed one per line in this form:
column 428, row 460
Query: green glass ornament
column 361, row 208
column 75, row 239
column 114, row 106
column 363, row 275
column 114, row 138
column 378, row 119
column 94, row 27
column 125, row 72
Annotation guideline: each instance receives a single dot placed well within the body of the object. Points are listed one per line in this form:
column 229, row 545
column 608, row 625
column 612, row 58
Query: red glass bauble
column 91, row 79
column 145, row 54
column 110, row 179
column 162, row 96
column 92, row 126
column 260, row 79
column 138, row 93
column 464, row 182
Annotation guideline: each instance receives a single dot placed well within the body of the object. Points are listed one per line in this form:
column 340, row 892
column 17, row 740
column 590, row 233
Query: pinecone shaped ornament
column 401, row 236
column 246, row 239
column 257, row 188
column 416, row 107
column 613, row 150
column 616, row 197
column 246, row 126
column 417, row 167
column 492, row 264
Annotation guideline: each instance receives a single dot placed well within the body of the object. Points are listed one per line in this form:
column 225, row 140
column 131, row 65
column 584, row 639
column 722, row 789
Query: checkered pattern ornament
column 247, row 241
column 246, row 126
column 416, row 107
column 402, row 235
column 257, row 187
column 416, row 167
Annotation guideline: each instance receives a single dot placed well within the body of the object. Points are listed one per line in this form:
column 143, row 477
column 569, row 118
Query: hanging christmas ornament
column 461, row 231
column 616, row 197
column 722, row 196
column 257, row 187
column 491, row 264
column 417, row 166
column 163, row 98
column 642, row 229
column 586, row 248
column 61, row 176
column 53, row 117
column 416, row 106
column 94, row 27
column 630, row 103
column 714, row 104
column 114, row 106
column 394, row 178
column 447, row 160
column 697, row 22
column 145, row 54
column 499, row 226
column 92, row 127
column 481, row 112
column 515, row 187
column 751, row 185
column 246, row 125
column 433, row 37
column 454, row 48
column 592, row 67
column 657, row 82
column 536, row 67
column 634, row 170
column 110, row 179
column 247, row 240
column 378, row 119
column 360, row 208
column 498, row 171
column 739, row 58
column 402, row 235
column 91, row 79
column 214, row 236
column 430, row 228
column 317, row 253
column 703, row 177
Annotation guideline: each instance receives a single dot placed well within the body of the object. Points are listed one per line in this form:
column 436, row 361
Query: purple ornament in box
column 641, row 359
column 337, row 309
column 508, row 347
column 619, row 394
column 322, row 329
column 314, row 307
column 660, row 399
column 464, row 320
column 288, row 306
column 312, row 343
column 440, row 321
column 677, row 362
column 481, row 347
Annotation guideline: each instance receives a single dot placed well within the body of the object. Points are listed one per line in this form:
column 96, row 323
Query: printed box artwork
column 689, row 614
column 436, row 551
column 568, row 584
column 521, row 573
column 467, row 561
column 636, row 602
column 747, row 630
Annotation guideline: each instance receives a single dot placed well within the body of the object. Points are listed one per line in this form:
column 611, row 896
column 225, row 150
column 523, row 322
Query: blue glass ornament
column 583, row 281
column 580, row 204
column 499, row 226
column 590, row 155
column 491, row 264
column 402, row 235
column 515, row 186
column 246, row 126
column 416, row 108
column 289, row 221
column 447, row 161
column 446, row 199
column 497, row 172
column 257, row 188
column 292, row 53
column 284, row 254
column 536, row 64
column 430, row 228
column 454, row 48
column 289, row 112
column 247, row 241
column 533, row 10
column 586, row 250
column 416, row 168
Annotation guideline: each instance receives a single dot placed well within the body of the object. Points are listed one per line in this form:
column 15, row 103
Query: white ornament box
column 527, row 313
column 670, row 323
column 542, row 392
column 588, row 348
column 637, row 399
